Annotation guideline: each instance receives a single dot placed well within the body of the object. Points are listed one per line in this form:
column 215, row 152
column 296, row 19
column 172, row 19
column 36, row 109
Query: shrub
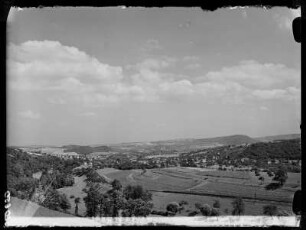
column 198, row 205
column 173, row 207
column 238, row 206
column 183, row 202
column 216, row 204
column 215, row 212
column 193, row 213
column 270, row 210
column 206, row 210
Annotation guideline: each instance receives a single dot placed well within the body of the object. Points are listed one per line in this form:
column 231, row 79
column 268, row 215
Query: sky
column 111, row 75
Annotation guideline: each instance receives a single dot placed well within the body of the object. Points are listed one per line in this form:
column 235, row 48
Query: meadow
column 203, row 186
column 196, row 185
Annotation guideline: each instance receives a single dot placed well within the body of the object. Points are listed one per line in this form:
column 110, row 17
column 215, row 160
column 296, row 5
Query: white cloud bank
column 75, row 77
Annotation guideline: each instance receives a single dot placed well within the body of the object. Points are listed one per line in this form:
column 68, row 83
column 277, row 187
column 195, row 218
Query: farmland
column 204, row 186
column 200, row 177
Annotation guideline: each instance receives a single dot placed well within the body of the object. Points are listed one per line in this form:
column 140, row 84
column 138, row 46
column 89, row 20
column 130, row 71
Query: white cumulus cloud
column 70, row 76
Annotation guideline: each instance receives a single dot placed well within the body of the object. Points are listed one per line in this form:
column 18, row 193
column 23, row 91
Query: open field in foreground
column 76, row 191
column 197, row 186
column 193, row 185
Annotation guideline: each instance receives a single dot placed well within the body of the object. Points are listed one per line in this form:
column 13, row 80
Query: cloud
column 151, row 45
column 264, row 108
column 56, row 100
column 66, row 75
column 193, row 66
column 29, row 114
column 253, row 74
column 284, row 18
column 88, row 114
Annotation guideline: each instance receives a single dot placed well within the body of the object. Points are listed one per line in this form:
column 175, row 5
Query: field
column 198, row 185
column 76, row 191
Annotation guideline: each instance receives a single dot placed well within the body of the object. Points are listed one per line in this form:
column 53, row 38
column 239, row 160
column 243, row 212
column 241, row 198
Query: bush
column 173, row 207
column 183, row 202
column 193, row 213
column 206, row 210
column 215, row 212
column 216, row 204
column 238, row 206
column 198, row 205
column 270, row 210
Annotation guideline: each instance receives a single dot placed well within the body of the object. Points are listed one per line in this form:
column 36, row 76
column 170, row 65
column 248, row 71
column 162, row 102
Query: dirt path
column 130, row 177
column 198, row 185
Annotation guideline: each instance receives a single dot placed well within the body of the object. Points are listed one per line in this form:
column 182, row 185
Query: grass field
column 161, row 199
column 77, row 191
column 210, row 185
column 197, row 185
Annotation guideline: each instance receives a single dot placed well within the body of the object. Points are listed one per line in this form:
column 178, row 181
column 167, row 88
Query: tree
column 105, row 205
column 182, row 203
column 64, row 202
column 261, row 179
column 137, row 207
column 53, row 200
column 198, row 205
column 76, row 201
column 270, row 174
column 206, row 210
column 117, row 201
column 93, row 195
column 39, row 195
column 173, row 207
column 216, row 204
column 281, row 176
column 116, row 185
column 270, row 210
column 238, row 206
column 138, row 201
column 137, row 192
column 215, row 212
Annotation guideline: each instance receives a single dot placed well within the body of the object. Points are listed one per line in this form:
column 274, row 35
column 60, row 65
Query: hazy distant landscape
column 190, row 174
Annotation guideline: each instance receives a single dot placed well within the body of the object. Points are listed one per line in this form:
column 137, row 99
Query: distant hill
column 79, row 149
column 225, row 140
column 278, row 137
column 231, row 140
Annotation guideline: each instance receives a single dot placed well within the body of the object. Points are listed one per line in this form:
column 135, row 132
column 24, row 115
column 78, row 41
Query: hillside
column 231, row 140
column 224, row 140
column 25, row 208
column 79, row 149
column 278, row 137
column 285, row 149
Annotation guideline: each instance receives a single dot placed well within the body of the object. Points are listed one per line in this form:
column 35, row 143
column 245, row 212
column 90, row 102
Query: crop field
column 253, row 208
column 191, row 184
